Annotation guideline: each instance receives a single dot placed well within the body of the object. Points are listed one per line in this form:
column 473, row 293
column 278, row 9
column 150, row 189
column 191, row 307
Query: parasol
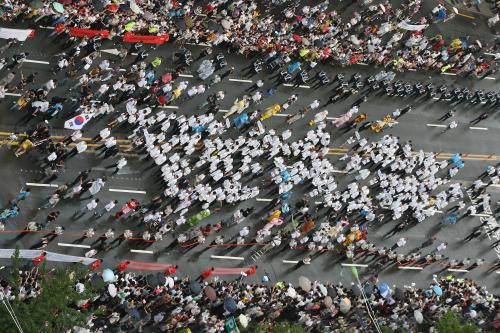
column 323, row 289
column 304, row 283
column 418, row 316
column 195, row 287
column 345, row 305
column 210, row 293
column 58, row 7
column 368, row 289
column 437, row 290
column 243, row 320
column 332, row 292
column 112, row 290
column 328, row 301
column 108, row 275
column 230, row 305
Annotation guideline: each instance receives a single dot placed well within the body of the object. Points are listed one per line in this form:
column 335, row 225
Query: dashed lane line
column 37, row 61
column 82, row 246
column 141, row 251
column 435, row 125
column 126, row 191
column 241, row 80
column 478, row 128
column 226, row 257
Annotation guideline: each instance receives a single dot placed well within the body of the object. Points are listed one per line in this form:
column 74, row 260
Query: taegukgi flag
column 77, row 122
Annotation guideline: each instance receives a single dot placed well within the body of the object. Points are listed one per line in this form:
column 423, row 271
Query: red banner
column 229, row 271
column 131, row 38
column 77, row 32
column 147, row 266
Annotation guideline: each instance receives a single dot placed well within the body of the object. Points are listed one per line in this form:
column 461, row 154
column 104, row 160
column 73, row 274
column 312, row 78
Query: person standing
column 400, row 243
column 107, row 208
column 118, row 165
column 89, row 207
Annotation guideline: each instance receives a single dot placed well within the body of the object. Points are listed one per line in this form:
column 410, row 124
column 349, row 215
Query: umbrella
column 157, row 279
column 328, row 301
column 345, row 305
column 355, row 290
column 418, row 316
column 226, row 24
column 134, row 313
column 148, row 16
column 305, row 283
column 230, row 305
column 112, row 290
column 243, row 320
column 368, row 289
column 383, row 288
column 169, row 282
column 322, row 289
column 58, row 7
column 37, row 4
column 332, row 292
column 214, row 26
column 210, row 293
column 291, row 292
column 437, row 290
column 98, row 5
column 108, row 275
column 195, row 287
column 399, row 294
column 135, row 8
column 80, row 288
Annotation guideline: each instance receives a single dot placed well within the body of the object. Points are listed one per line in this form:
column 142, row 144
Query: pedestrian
column 107, row 208
column 89, row 207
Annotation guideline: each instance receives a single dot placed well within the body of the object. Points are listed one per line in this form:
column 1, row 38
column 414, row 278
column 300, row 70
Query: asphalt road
column 479, row 145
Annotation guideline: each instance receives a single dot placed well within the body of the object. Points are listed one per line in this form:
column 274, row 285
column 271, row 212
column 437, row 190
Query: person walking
column 400, row 243
column 89, row 207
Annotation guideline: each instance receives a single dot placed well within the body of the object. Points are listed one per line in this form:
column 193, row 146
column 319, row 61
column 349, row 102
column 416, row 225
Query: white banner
column 19, row 34
column 77, row 122
column 412, row 27
column 49, row 256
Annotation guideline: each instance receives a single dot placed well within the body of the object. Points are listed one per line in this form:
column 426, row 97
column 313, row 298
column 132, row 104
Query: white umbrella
column 136, row 9
column 304, row 283
column 112, row 290
column 291, row 292
column 226, row 24
column 169, row 282
column 80, row 287
column 345, row 305
column 418, row 316
column 322, row 289
column 243, row 320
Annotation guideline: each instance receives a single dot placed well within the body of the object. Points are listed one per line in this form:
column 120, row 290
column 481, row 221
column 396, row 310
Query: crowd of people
column 380, row 34
column 217, row 159
column 134, row 302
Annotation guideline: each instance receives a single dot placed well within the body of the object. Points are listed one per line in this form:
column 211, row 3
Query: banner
column 147, row 266
column 131, row 38
column 77, row 122
column 49, row 256
column 229, row 271
column 19, row 34
column 77, row 32
column 412, row 27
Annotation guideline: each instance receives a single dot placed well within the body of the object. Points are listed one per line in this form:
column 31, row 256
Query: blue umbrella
column 108, row 275
column 195, row 288
column 293, row 67
column 383, row 288
column 241, row 120
column 230, row 305
column 437, row 290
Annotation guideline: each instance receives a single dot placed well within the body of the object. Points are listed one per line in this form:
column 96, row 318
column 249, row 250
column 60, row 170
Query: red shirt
column 206, row 274
column 251, row 271
column 122, row 266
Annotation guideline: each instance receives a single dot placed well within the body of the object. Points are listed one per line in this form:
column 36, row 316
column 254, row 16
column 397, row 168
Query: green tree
column 452, row 323
column 54, row 309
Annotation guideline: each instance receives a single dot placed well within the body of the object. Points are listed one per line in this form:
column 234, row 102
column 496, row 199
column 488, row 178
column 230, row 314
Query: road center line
column 141, row 251
column 168, row 107
column 478, row 128
column 37, row 61
column 452, row 74
column 186, row 75
column 354, row 265
column 290, row 262
column 41, row 185
column 410, row 268
column 226, row 257
column 490, row 78
column 126, row 191
column 457, row 270
column 435, row 125
column 74, row 245
column 264, row 200
column 241, row 80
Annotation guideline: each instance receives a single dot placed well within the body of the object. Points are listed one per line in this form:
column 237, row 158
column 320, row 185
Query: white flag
column 77, row 122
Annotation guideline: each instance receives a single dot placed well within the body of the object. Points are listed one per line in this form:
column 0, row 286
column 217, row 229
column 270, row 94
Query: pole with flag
column 371, row 313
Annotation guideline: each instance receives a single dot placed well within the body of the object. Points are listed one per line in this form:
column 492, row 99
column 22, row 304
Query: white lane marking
column 452, row 74
column 126, row 191
column 331, row 118
column 498, row 272
column 290, row 262
column 318, row 202
column 74, row 245
column 495, row 185
column 490, row 78
column 435, row 125
column 141, row 251
column 41, row 185
column 436, row 98
column 186, row 75
column 241, row 80
column 410, row 268
column 52, row 28
column 168, row 107
column 457, row 270
column 490, row 54
column 354, row 265
column 111, row 51
column 223, row 111
column 199, row 44
column 362, row 63
column 263, row 199
column 300, row 86
column 37, row 61
column 480, row 215
column 281, row 115
column 478, row 128
column 226, row 257
column 12, row 94
column 339, row 171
